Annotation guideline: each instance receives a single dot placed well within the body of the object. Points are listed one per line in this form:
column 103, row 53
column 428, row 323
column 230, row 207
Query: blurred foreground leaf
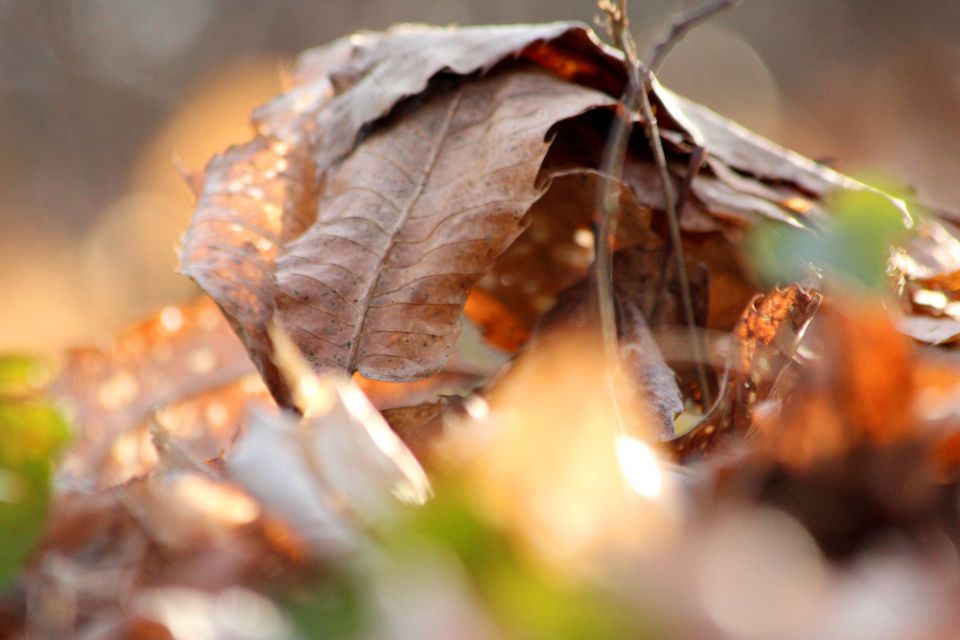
column 333, row 609
column 854, row 247
column 31, row 433
column 21, row 375
column 525, row 597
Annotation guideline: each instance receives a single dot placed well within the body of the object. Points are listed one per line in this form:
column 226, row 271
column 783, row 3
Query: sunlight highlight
column 639, row 466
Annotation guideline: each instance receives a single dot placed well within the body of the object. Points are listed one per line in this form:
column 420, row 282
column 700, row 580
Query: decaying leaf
column 192, row 431
column 105, row 550
column 556, row 249
column 261, row 194
column 256, row 197
column 418, row 425
column 864, row 447
column 381, row 69
column 642, row 298
column 859, row 396
column 182, row 352
column 736, row 155
column 343, row 466
column 412, row 218
column 371, row 277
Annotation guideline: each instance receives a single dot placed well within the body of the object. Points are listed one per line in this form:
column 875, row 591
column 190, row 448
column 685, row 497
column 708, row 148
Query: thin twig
column 682, row 25
column 611, row 168
column 676, row 242
column 697, row 158
column 636, row 95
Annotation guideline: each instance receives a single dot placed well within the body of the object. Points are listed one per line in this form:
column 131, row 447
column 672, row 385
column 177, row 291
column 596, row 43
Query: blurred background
column 99, row 98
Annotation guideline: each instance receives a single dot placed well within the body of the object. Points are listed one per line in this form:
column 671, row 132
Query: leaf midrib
column 401, row 221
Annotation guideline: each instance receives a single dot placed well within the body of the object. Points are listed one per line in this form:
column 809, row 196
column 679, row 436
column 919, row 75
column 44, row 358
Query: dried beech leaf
column 751, row 153
column 634, row 271
column 646, row 283
column 199, row 427
column 260, row 196
column 103, row 549
column 254, row 197
column 731, row 286
column 865, row 445
column 864, row 390
column 746, row 178
column 385, row 68
column 183, row 351
column 766, row 339
column 342, row 465
column 413, row 218
column 418, row 425
column 556, row 249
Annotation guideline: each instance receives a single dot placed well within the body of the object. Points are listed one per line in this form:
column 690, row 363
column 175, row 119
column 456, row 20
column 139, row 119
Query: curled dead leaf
column 413, row 218
column 406, row 221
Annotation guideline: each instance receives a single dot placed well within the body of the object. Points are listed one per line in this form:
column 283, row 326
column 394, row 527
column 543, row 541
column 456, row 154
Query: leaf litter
column 403, row 254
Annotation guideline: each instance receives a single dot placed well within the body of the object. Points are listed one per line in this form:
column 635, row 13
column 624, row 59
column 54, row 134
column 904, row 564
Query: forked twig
column 636, row 97
column 682, row 25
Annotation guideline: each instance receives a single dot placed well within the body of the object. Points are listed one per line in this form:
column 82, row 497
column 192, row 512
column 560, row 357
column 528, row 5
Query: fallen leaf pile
column 392, row 417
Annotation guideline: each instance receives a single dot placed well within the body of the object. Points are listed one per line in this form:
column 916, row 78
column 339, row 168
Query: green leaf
column 31, row 433
column 527, row 599
column 21, row 375
column 331, row 608
column 854, row 249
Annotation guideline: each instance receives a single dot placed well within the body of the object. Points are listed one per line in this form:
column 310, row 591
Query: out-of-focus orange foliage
column 500, row 326
column 861, row 391
column 183, row 361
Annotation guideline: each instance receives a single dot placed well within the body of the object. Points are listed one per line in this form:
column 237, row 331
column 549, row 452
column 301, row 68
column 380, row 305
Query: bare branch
column 682, row 25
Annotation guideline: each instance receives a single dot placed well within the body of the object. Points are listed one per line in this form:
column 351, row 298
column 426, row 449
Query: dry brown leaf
column 255, row 197
column 640, row 303
column 754, row 168
column 865, row 445
column 416, row 214
column 340, row 88
column 260, row 196
column 419, row 425
column 556, row 249
column 866, row 383
column 184, row 433
column 103, row 549
column 183, row 351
